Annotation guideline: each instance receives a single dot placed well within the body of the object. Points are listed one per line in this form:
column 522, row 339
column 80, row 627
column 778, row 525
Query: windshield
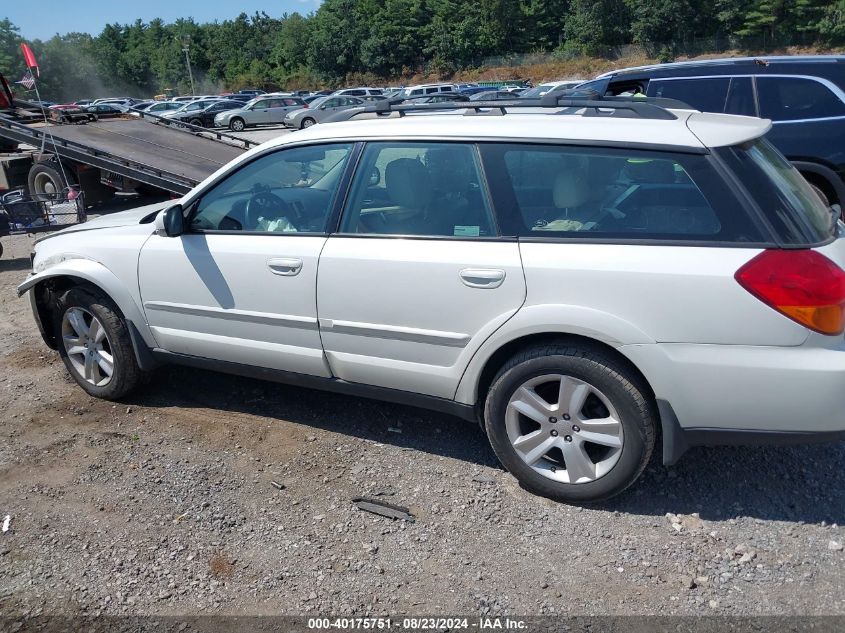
column 789, row 202
column 318, row 102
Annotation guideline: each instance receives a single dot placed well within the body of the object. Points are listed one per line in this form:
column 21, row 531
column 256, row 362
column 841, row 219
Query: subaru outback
column 588, row 280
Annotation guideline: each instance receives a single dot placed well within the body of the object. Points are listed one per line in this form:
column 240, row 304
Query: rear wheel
column 307, row 122
column 47, row 182
column 570, row 423
column 237, row 125
column 95, row 345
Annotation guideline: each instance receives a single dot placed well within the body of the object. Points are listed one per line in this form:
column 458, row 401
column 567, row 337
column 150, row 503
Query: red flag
column 30, row 58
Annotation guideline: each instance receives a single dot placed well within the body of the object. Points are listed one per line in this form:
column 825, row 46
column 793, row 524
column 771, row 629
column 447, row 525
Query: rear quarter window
column 796, row 99
column 786, row 200
column 547, row 192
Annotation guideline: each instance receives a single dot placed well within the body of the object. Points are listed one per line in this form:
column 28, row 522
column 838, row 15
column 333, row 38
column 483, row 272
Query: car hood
column 297, row 112
column 112, row 220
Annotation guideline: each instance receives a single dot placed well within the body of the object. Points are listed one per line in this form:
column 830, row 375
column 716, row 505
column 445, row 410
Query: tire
column 307, row 122
column 237, row 125
column 45, row 180
column 196, row 122
column 608, row 390
column 113, row 341
column 821, row 194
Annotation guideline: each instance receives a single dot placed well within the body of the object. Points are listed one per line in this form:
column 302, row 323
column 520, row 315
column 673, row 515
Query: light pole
column 186, row 46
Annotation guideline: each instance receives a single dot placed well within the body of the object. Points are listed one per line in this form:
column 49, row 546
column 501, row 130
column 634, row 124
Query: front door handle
column 482, row 277
column 287, row 266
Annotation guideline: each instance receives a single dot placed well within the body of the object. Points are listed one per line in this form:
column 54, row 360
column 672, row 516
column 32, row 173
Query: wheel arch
column 500, row 356
column 45, row 287
column 824, row 178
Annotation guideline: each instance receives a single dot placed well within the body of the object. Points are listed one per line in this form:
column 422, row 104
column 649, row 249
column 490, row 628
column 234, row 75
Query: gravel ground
column 209, row 494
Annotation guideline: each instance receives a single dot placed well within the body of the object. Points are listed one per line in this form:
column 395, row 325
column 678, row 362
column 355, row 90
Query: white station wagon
column 582, row 280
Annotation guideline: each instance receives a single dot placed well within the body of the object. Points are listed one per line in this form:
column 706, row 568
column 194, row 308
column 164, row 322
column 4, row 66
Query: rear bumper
column 677, row 439
column 734, row 394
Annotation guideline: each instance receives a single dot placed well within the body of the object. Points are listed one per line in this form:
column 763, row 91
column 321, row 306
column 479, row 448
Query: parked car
column 551, row 86
column 254, row 92
column 320, row 109
column 357, row 92
column 82, row 102
column 105, row 110
column 161, row 107
column 204, row 115
column 260, row 111
column 581, row 284
column 190, row 108
column 803, row 95
column 427, row 89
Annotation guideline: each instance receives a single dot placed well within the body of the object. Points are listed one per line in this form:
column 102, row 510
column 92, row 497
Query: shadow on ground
column 793, row 483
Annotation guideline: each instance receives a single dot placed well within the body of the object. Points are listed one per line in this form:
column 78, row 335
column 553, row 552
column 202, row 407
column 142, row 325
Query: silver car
column 264, row 110
column 320, row 109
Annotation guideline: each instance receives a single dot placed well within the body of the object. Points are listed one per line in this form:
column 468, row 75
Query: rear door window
column 796, row 99
column 619, row 194
column 705, row 94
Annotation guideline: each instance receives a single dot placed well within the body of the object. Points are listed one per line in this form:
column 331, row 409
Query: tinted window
column 795, row 98
column 707, row 95
column 419, row 189
column 288, row 191
column 429, row 91
column 264, row 103
column 740, row 97
column 792, row 207
column 612, row 194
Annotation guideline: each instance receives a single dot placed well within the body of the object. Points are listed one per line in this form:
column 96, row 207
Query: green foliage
column 360, row 40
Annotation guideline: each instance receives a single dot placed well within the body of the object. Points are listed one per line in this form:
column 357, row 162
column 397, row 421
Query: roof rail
column 567, row 102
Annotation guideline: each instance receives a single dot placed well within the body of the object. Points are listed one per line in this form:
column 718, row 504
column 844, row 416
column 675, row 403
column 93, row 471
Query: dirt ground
column 164, row 504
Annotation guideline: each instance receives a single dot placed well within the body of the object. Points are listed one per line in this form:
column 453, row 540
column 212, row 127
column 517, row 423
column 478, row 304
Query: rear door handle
column 287, row 266
column 482, row 277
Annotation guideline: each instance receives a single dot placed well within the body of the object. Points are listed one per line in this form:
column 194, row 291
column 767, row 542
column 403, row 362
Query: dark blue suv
column 804, row 96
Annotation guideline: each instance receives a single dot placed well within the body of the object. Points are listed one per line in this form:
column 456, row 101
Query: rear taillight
column 305, row 106
column 804, row 285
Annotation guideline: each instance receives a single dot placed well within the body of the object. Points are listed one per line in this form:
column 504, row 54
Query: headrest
column 408, row 183
column 658, row 172
column 570, row 189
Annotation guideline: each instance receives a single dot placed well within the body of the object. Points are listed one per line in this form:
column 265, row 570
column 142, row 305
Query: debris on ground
column 384, row 509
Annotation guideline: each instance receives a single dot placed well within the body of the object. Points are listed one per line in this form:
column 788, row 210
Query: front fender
column 554, row 320
column 98, row 275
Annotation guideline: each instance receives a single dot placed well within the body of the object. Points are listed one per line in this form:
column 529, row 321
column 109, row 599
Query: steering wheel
column 268, row 206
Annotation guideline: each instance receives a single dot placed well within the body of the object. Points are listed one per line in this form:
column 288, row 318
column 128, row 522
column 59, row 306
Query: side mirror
column 170, row 222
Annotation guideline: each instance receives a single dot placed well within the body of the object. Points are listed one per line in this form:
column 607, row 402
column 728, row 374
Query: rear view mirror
column 171, row 221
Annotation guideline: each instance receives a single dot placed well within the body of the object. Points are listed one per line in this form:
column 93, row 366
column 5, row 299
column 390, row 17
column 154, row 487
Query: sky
column 41, row 19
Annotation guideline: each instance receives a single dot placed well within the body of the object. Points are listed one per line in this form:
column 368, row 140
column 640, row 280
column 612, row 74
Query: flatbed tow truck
column 101, row 157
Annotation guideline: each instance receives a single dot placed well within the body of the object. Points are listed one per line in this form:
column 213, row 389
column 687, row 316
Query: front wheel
column 196, row 122
column 237, row 125
column 570, row 423
column 94, row 344
column 307, row 122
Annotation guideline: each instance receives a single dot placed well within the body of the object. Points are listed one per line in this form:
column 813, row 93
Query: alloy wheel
column 88, row 347
column 564, row 428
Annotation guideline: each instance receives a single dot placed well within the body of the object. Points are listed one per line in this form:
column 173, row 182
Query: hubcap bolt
column 576, row 428
column 553, row 433
column 568, row 438
column 553, row 420
column 566, row 416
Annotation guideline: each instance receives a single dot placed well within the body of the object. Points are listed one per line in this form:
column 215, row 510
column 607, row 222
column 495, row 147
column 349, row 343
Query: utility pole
column 186, row 47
